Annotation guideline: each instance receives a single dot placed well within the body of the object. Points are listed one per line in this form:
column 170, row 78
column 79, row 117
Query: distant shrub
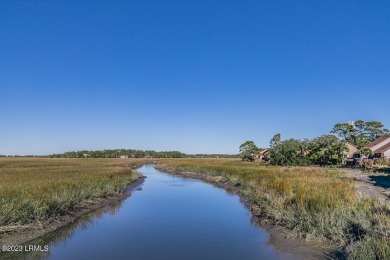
column 323, row 150
column 289, row 152
column 383, row 161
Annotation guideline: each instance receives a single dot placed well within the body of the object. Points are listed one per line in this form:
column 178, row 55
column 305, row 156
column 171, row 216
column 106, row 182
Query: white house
column 380, row 148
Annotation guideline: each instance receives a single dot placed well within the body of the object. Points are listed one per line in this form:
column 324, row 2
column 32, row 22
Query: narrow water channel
column 170, row 218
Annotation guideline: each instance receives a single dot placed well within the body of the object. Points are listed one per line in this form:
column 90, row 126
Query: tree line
column 328, row 149
column 131, row 153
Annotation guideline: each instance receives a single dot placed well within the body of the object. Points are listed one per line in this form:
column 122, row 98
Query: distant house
column 349, row 156
column 263, row 155
column 123, row 156
column 380, row 148
column 351, row 150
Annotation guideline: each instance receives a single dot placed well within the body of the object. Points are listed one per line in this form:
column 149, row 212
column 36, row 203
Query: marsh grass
column 313, row 202
column 34, row 190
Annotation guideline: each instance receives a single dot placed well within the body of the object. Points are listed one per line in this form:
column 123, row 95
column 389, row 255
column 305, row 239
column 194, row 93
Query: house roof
column 383, row 149
column 264, row 150
column 377, row 141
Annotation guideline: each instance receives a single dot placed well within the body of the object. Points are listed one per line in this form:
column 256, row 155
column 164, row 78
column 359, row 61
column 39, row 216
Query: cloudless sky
column 195, row 76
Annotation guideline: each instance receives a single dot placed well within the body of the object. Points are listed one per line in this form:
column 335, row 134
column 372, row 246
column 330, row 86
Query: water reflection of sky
column 171, row 218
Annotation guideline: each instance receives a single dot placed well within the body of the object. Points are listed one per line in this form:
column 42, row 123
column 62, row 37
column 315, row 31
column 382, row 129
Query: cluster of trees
column 248, row 151
column 360, row 133
column 120, row 152
column 328, row 149
column 324, row 150
column 116, row 153
column 20, row 156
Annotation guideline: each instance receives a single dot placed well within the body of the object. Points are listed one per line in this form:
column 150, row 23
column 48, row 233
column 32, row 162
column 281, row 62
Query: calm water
column 170, row 218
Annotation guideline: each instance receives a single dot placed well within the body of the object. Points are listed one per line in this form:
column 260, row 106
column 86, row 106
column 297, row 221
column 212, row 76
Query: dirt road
column 371, row 184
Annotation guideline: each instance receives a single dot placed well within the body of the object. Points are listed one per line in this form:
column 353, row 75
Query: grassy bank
column 313, row 202
column 34, row 190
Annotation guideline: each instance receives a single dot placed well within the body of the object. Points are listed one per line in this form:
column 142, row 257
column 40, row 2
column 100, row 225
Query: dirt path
column 371, row 184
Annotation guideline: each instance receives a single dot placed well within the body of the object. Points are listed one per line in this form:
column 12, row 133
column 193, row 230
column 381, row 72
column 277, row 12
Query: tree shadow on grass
column 381, row 180
column 384, row 170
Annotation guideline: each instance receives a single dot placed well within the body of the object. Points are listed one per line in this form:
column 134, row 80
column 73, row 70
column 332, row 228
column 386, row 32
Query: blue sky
column 194, row 76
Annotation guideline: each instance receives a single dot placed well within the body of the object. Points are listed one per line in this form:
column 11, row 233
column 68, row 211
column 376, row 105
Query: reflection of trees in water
column 62, row 235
